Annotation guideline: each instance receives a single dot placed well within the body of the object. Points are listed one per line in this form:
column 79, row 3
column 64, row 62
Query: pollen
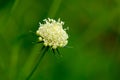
column 51, row 32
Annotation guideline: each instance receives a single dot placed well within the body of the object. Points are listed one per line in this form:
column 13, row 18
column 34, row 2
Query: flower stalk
column 44, row 50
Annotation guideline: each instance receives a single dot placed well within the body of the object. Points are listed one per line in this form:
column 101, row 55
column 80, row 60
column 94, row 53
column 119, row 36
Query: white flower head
column 52, row 33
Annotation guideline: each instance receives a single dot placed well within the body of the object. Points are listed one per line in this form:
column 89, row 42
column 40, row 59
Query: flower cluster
column 52, row 33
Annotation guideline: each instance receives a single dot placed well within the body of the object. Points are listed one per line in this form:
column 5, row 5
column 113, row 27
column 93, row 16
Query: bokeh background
column 93, row 52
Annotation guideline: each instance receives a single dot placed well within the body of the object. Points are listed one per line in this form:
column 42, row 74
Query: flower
column 52, row 33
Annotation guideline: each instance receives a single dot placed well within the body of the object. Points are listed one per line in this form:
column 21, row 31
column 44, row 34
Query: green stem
column 14, row 62
column 37, row 64
column 14, row 6
column 54, row 8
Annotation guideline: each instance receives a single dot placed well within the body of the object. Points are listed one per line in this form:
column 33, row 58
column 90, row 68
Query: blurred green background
column 93, row 52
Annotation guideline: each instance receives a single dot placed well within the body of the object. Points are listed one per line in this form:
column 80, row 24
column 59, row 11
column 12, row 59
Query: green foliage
column 94, row 39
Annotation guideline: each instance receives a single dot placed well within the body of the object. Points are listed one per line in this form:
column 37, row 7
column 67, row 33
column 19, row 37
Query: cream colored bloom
column 52, row 33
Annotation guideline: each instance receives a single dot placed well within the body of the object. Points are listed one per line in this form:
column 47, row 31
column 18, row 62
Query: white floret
column 52, row 33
